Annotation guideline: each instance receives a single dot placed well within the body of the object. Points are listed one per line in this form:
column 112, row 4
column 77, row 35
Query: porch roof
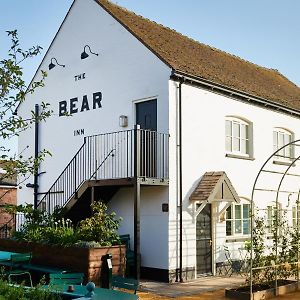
column 215, row 186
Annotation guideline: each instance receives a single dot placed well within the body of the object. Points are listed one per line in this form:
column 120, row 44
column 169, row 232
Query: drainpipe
column 180, row 178
column 36, row 153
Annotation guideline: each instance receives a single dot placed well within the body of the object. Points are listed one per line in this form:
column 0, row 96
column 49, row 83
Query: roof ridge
column 189, row 56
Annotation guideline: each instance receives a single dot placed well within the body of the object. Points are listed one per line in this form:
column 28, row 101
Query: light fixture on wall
column 52, row 65
column 84, row 55
column 123, row 121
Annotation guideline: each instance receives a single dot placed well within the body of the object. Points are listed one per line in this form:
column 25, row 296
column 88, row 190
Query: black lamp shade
column 84, row 55
column 51, row 66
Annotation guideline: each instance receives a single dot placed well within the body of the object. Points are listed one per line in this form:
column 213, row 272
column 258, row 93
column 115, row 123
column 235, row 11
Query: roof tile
column 192, row 57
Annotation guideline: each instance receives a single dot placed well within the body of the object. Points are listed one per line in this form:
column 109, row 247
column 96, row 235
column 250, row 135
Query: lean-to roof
column 194, row 58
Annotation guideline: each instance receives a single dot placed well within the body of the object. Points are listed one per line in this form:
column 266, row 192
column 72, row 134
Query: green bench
column 44, row 269
column 66, row 278
column 16, row 268
column 125, row 283
column 125, row 239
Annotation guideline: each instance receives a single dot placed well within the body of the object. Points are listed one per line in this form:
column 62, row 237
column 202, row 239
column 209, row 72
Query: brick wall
column 7, row 196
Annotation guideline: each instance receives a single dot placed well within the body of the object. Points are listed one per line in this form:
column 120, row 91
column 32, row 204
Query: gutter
column 240, row 95
column 180, row 178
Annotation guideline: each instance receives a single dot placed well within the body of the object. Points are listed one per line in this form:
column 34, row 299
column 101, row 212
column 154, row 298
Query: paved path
column 194, row 287
column 209, row 288
column 216, row 295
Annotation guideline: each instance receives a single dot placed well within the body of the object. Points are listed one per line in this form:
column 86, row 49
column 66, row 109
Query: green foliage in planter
column 98, row 230
column 101, row 227
column 276, row 254
column 8, row 292
column 41, row 227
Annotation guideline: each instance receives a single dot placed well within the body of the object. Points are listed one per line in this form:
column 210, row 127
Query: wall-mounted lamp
column 84, row 55
column 123, row 121
column 31, row 185
column 52, row 65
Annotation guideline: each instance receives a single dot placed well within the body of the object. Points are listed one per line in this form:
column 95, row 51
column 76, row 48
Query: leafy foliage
column 276, row 254
column 13, row 91
column 8, row 292
column 101, row 227
column 98, row 230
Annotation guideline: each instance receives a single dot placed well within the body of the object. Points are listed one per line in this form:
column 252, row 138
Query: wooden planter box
column 85, row 260
column 243, row 293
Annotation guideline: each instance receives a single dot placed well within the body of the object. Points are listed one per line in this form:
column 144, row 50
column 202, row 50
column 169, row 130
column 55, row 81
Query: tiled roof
column 194, row 58
column 211, row 186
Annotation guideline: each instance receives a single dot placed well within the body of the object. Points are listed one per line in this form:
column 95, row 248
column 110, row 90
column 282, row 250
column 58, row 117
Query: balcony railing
column 123, row 154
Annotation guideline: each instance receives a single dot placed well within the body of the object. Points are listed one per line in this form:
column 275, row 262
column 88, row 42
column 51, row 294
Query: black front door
column 204, row 241
column 146, row 117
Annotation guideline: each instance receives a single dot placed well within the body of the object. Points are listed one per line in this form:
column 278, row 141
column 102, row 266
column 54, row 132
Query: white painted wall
column 203, row 147
column 154, row 222
column 125, row 71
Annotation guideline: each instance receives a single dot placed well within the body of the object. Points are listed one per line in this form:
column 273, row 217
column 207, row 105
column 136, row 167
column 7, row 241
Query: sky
column 265, row 32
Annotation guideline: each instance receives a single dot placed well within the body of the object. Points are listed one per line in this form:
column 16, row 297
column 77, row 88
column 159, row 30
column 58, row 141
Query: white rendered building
column 208, row 120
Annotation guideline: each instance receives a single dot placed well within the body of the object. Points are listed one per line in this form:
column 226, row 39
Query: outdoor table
column 81, row 291
column 5, row 256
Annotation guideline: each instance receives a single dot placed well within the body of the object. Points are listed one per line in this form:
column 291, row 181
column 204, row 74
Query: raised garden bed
column 77, row 259
column 263, row 291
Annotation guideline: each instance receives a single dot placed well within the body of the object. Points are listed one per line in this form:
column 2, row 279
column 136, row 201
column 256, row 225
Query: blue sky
column 265, row 32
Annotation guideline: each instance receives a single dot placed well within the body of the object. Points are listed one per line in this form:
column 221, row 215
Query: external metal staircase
column 110, row 159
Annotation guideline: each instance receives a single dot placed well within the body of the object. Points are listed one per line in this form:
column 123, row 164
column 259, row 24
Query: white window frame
column 295, row 215
column 281, row 137
column 241, row 220
column 270, row 213
column 235, row 142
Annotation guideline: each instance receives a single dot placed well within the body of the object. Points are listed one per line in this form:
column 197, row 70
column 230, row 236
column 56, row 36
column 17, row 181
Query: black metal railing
column 13, row 224
column 110, row 156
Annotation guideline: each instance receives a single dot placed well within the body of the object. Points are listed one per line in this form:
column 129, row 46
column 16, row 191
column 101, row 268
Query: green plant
column 258, row 245
column 96, row 231
column 101, row 227
column 9, row 292
column 61, row 232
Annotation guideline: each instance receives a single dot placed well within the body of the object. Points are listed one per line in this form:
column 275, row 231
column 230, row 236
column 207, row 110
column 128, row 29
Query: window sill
column 283, row 163
column 239, row 156
column 237, row 239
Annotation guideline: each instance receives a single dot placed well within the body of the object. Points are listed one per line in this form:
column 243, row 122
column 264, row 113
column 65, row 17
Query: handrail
column 39, row 203
column 4, row 226
column 109, row 156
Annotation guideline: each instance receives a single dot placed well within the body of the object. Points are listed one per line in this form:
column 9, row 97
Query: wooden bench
column 125, row 283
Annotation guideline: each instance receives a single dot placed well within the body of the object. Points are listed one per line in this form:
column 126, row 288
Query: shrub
column 98, row 230
column 9, row 292
column 101, row 227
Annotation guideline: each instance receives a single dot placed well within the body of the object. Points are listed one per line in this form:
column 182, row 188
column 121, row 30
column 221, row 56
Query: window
column 295, row 216
column 237, row 136
column 282, row 137
column 271, row 211
column 238, row 219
